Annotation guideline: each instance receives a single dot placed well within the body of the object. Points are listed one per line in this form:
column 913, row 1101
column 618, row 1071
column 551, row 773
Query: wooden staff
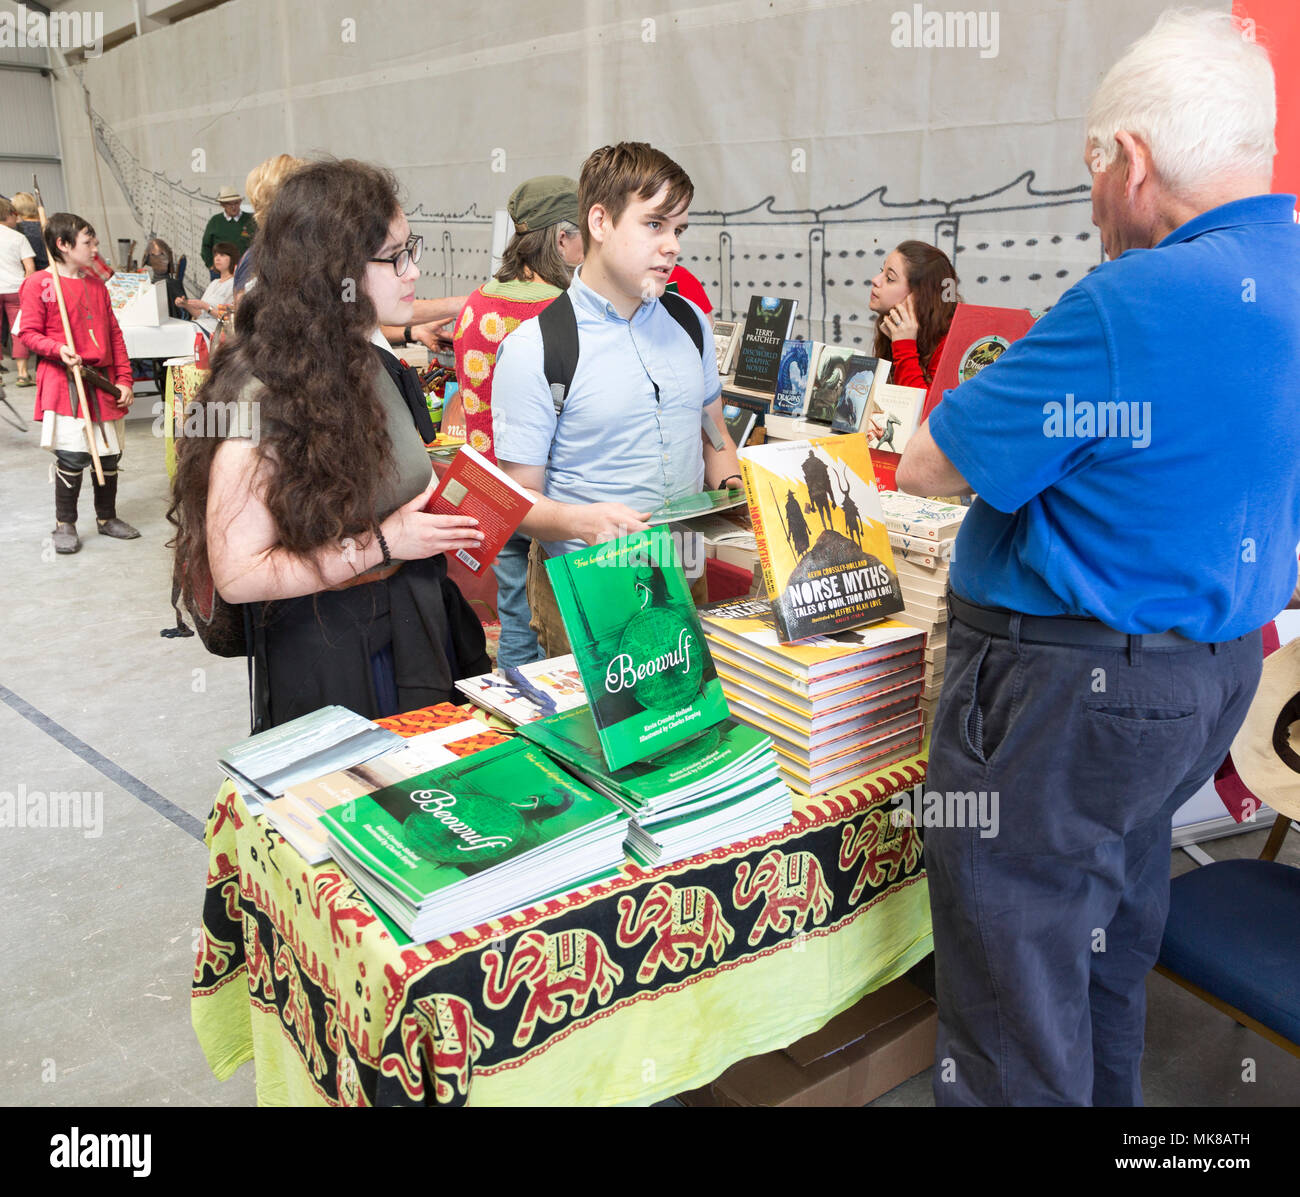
column 82, row 403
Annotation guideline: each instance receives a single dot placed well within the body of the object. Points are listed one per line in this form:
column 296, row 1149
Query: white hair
column 1199, row 92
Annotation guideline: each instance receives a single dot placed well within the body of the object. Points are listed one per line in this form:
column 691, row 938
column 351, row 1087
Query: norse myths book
column 822, row 541
column 637, row 643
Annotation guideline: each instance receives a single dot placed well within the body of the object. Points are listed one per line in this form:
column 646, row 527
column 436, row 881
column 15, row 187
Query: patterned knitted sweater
column 490, row 315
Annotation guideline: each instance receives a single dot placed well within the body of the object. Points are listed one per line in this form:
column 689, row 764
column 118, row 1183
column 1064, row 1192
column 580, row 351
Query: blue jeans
column 1044, row 932
column 518, row 641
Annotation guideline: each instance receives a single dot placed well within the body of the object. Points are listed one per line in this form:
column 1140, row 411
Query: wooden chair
column 1233, row 937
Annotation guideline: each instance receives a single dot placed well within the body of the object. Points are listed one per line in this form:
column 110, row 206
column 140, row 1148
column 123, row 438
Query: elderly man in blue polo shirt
column 626, row 437
column 1137, row 462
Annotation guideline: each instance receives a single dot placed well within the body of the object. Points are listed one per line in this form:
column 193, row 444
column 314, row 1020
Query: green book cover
column 449, row 824
column 637, row 643
column 571, row 737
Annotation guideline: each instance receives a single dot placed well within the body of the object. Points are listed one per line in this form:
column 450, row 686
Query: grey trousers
column 1045, row 931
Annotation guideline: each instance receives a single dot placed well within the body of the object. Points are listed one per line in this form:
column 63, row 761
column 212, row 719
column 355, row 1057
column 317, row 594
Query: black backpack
column 559, row 327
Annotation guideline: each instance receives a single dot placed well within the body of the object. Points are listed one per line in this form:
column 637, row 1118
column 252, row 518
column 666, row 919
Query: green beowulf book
column 638, row 645
column 705, row 764
column 468, row 841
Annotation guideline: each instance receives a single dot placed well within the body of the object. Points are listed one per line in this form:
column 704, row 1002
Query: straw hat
column 1267, row 748
column 227, row 193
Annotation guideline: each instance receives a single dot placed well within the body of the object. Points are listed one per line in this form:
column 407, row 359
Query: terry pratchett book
column 822, row 539
column 637, row 643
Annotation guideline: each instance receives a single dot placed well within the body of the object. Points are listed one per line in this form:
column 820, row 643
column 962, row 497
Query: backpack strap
column 559, row 328
column 680, row 310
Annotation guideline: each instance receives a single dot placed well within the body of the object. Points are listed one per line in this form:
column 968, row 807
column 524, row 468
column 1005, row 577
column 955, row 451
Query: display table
column 171, row 338
column 626, row 992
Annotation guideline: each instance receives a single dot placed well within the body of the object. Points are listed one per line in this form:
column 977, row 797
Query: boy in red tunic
column 97, row 341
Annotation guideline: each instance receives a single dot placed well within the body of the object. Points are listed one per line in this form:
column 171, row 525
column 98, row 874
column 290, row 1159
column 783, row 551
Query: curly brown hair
column 303, row 334
column 927, row 269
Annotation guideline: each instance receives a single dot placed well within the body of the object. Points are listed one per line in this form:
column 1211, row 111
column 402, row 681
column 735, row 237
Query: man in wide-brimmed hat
column 230, row 224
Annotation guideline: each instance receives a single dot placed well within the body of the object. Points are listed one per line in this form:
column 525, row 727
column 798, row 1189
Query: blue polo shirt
column 1137, row 453
column 617, row 441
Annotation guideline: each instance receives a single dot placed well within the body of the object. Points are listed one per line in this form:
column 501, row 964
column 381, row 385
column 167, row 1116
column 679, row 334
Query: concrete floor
column 98, row 947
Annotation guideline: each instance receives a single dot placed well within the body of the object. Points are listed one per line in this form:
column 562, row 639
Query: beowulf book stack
column 637, row 644
column 837, row 707
column 296, row 814
column 713, row 790
column 822, row 541
column 922, row 533
column 464, row 843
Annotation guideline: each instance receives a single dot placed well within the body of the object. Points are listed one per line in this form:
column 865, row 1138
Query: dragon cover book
column 822, row 540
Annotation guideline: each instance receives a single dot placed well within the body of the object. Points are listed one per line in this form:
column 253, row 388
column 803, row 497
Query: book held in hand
column 637, row 643
column 767, row 327
column 822, row 540
column 473, row 486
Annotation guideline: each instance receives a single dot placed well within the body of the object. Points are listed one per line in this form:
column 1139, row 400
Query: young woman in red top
column 914, row 297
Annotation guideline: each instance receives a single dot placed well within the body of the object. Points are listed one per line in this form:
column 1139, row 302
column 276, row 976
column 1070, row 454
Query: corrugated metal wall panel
column 28, row 106
column 27, row 55
column 17, row 176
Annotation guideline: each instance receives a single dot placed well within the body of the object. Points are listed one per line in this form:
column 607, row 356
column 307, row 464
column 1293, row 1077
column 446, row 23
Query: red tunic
column 89, row 310
column 907, row 371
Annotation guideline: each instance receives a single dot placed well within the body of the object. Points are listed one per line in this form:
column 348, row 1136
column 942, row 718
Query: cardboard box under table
column 625, row 993
column 877, row 1043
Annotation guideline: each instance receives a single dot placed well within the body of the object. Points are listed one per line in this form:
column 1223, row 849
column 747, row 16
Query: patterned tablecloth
column 626, row 992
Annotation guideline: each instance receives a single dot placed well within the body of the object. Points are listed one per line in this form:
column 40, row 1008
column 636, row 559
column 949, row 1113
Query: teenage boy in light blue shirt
column 628, row 438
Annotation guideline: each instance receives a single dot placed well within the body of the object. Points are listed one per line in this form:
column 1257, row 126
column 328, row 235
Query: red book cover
column 976, row 337
column 473, row 486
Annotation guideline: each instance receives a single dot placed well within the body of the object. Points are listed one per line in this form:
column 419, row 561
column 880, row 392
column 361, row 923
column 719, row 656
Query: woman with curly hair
column 316, row 519
column 914, row 296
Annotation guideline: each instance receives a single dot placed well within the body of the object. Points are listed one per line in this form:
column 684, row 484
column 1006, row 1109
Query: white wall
column 982, row 155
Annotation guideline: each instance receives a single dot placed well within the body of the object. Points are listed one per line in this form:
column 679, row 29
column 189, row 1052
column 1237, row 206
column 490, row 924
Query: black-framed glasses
column 409, row 253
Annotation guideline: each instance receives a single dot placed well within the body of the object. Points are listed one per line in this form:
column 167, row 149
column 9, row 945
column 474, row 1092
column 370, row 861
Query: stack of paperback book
column 922, row 533
column 461, row 844
column 296, row 814
column 522, row 693
column 263, row 766
column 837, row 706
column 718, row 788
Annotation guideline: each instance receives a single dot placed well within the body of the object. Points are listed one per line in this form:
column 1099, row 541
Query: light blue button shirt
column 617, row 441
